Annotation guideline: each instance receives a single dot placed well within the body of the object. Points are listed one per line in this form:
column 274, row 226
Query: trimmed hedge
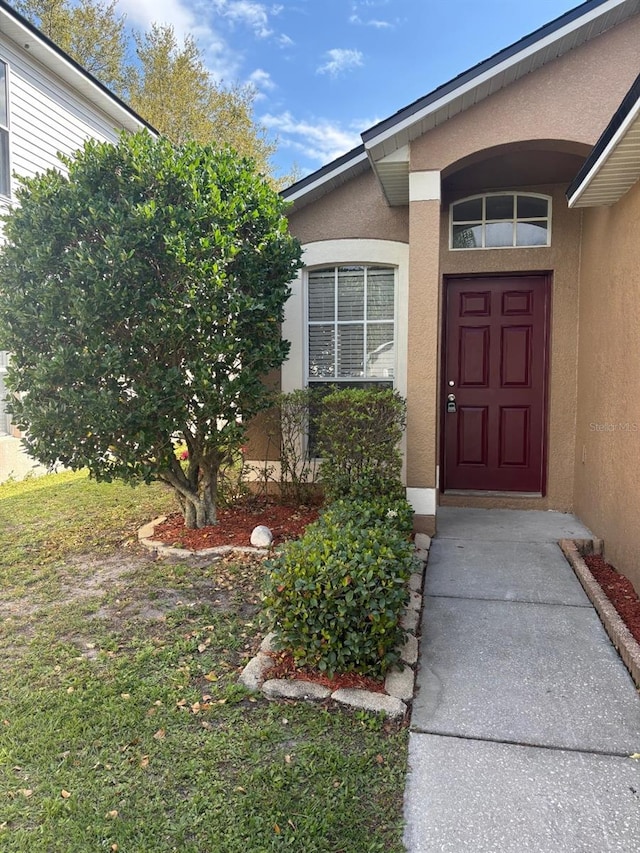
column 359, row 432
column 335, row 597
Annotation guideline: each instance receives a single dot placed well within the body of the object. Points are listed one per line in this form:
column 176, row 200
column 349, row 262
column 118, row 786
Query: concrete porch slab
column 506, row 571
column 466, row 795
column 538, row 674
column 508, row 525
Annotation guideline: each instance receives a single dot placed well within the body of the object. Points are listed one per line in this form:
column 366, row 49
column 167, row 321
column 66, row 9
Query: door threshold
column 481, row 493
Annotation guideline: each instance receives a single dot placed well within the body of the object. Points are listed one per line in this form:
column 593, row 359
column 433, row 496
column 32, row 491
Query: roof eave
column 29, row 38
column 474, row 85
column 613, row 166
column 329, row 177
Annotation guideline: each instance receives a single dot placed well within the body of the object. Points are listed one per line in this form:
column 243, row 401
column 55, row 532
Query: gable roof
column 386, row 143
column 613, row 166
column 29, row 38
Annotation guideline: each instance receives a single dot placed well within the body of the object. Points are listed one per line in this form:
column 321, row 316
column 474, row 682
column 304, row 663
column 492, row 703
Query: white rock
column 409, row 620
column 409, row 652
column 400, row 684
column 422, row 541
column 415, row 582
column 266, row 645
column 261, row 536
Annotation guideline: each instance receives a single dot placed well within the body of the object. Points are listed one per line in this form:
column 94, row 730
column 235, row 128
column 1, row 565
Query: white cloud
column 339, row 61
column 373, row 22
column 319, row 140
column 174, row 12
column 261, row 81
column 254, row 15
column 285, row 41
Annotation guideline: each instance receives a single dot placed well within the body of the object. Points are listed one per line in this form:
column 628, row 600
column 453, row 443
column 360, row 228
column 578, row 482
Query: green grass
column 122, row 726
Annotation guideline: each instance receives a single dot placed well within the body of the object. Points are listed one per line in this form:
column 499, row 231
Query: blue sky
column 324, row 70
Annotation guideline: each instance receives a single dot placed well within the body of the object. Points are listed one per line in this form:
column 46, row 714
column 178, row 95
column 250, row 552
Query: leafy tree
column 174, row 91
column 91, row 31
column 142, row 297
column 169, row 84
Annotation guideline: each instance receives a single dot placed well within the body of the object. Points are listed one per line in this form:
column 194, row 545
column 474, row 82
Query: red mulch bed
column 234, row 527
column 619, row 590
column 235, row 524
column 286, row 668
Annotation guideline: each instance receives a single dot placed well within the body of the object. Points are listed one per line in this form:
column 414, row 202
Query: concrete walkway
column 525, row 717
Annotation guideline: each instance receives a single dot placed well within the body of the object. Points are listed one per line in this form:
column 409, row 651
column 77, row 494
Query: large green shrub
column 359, row 432
column 388, row 512
column 335, row 597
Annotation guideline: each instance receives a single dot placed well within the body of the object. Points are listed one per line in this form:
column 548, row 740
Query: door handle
column 452, row 407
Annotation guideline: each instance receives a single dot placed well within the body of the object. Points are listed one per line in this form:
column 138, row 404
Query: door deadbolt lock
column 452, row 408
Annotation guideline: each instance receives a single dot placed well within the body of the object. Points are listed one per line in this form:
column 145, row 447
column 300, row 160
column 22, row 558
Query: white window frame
column 515, row 221
column 5, row 129
column 336, row 324
column 344, row 252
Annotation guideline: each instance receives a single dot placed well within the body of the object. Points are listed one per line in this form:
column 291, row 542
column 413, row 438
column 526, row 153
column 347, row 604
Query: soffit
column 614, row 166
column 546, row 44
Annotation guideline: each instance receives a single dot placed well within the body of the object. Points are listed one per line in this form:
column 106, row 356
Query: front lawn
column 122, row 727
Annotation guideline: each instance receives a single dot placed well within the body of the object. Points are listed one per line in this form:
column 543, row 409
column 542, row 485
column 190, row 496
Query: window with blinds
column 351, row 324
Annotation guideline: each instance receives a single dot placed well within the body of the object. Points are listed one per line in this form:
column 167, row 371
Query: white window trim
column 328, row 253
column 336, row 323
column 514, row 194
column 7, row 128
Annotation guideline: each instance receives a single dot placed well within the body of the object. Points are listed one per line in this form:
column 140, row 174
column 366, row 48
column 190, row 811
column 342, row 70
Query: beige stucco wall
column 561, row 259
column 357, row 209
column 571, row 99
column 607, row 473
column 568, row 102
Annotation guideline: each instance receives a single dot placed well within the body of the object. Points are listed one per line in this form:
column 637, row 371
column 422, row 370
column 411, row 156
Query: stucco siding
column 561, row 259
column 356, row 210
column 607, row 452
column 571, row 98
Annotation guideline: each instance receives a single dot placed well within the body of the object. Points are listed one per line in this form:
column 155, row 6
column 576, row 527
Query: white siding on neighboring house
column 5, row 419
column 45, row 116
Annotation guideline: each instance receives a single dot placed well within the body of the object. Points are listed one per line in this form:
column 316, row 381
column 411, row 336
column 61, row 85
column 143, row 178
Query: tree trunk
column 198, row 504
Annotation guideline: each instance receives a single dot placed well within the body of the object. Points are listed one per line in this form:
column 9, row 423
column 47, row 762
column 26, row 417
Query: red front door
column 494, row 383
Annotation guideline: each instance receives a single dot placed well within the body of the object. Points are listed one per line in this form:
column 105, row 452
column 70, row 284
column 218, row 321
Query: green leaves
column 141, row 298
column 336, row 596
column 359, row 431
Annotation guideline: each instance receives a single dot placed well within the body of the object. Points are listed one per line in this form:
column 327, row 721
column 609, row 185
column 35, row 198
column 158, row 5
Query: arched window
column 500, row 221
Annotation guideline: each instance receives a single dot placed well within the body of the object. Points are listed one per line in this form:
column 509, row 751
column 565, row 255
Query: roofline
column 623, row 117
column 61, row 56
column 409, row 114
column 325, row 173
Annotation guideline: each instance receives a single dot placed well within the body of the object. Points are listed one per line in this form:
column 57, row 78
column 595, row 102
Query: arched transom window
column 500, row 221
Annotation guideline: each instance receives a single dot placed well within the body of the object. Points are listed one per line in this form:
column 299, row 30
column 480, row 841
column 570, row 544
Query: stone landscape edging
column 145, row 537
column 399, row 684
column 628, row 648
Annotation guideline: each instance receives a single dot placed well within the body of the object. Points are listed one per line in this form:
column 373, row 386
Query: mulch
column 235, row 524
column 286, row 668
column 619, row 590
